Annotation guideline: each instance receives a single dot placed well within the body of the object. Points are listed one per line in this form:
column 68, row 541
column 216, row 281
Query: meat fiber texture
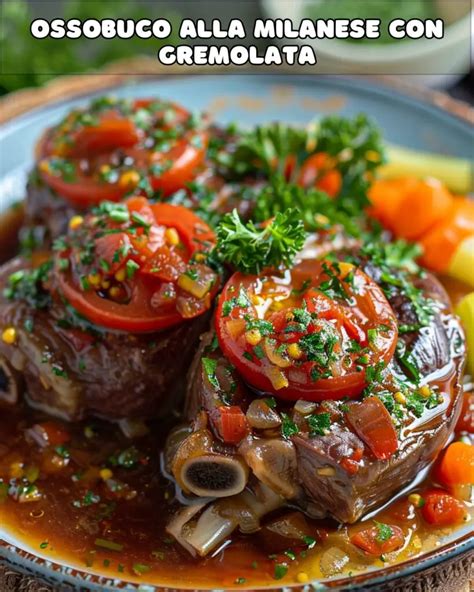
column 306, row 470
column 117, row 375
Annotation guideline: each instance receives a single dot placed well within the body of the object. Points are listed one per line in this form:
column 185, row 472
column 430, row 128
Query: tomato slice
column 185, row 157
column 313, row 346
column 101, row 154
column 86, row 192
column 136, row 275
column 108, row 135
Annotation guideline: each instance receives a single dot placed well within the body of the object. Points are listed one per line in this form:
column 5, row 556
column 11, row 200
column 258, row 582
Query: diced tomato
column 318, row 171
column 442, row 509
column 379, row 539
column 53, row 433
column 232, row 424
column 373, row 424
column 457, row 465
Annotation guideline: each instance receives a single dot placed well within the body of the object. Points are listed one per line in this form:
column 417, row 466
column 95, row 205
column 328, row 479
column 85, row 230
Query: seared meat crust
column 113, row 375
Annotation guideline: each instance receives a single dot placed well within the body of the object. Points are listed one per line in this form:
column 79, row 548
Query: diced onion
column 333, row 561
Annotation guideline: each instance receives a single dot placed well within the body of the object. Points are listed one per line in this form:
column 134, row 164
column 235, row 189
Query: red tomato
column 104, row 157
column 108, row 135
column 304, row 361
column 148, row 299
column 86, row 192
column 442, row 509
column 186, row 158
column 53, row 433
column 232, row 424
column 380, row 539
column 372, row 423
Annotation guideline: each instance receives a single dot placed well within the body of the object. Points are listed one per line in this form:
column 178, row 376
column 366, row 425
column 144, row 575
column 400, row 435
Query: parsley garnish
column 288, row 426
column 384, row 532
column 251, row 249
column 210, row 366
column 319, row 424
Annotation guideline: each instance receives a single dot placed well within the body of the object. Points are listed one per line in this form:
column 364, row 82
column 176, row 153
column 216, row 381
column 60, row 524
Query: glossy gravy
column 103, row 504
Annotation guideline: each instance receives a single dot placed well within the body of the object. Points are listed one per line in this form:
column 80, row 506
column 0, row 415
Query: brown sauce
column 87, row 497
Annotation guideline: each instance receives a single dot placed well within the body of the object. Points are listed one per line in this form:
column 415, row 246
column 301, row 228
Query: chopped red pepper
column 442, row 509
column 379, row 539
column 232, row 424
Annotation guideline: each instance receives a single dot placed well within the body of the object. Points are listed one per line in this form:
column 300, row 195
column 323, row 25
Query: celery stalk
column 455, row 173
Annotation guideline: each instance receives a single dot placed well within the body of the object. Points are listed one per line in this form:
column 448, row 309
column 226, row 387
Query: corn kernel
column 321, row 219
column 294, row 351
column 104, row 169
column 172, row 236
column 120, row 274
column 75, row 222
column 129, row 179
column 253, row 337
column 44, row 166
column 105, row 284
column 425, row 391
column 93, row 279
column 105, row 474
column 9, row 335
column 114, row 292
column 16, row 470
column 199, row 257
column 400, row 398
column 257, row 300
column 302, row 577
column 415, row 499
column 372, row 156
column 345, row 268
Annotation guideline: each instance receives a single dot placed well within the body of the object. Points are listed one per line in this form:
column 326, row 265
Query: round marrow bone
column 214, row 475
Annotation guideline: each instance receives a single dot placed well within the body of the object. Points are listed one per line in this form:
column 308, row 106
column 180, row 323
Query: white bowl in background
column 434, row 62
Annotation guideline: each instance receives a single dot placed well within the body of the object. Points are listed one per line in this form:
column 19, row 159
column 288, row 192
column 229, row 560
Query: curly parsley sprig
column 316, row 209
column 355, row 145
column 250, row 248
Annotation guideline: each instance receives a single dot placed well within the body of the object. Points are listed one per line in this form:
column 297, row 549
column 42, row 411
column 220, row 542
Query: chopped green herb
column 384, row 532
column 107, row 544
column 288, row 426
column 319, row 424
column 210, row 366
